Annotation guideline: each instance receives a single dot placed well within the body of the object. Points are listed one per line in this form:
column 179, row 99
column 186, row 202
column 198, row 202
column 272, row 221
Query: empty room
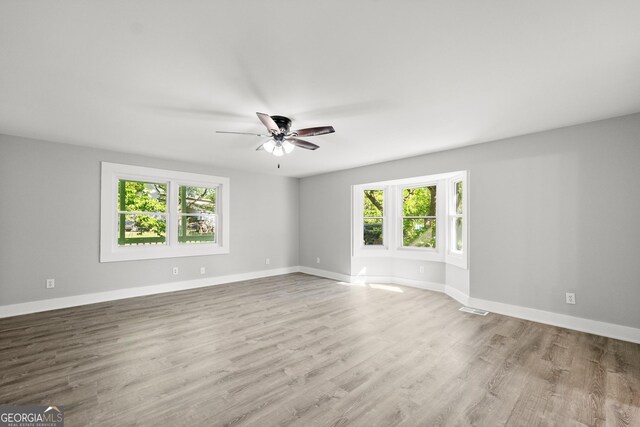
column 357, row 213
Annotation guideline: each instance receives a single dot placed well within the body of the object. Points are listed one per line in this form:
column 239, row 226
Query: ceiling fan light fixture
column 269, row 146
column 287, row 146
column 282, row 140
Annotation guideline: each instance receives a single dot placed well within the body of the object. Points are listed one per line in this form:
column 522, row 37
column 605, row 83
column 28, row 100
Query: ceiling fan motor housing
column 283, row 123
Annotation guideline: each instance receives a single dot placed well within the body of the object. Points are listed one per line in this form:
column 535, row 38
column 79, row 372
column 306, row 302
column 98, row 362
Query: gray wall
column 550, row 212
column 50, row 212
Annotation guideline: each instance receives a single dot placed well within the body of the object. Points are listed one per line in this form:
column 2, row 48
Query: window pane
column 137, row 196
column 458, row 231
column 197, row 229
column 419, row 201
column 143, row 229
column 196, row 200
column 373, row 203
column 419, row 232
column 372, row 231
column 459, row 197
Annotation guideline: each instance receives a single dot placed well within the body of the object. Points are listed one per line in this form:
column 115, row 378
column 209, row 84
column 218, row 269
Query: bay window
column 416, row 218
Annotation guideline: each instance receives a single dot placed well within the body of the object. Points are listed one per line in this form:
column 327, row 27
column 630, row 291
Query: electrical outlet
column 267, row 261
column 421, row 269
column 571, row 298
column 51, row 283
column 318, row 260
column 202, row 270
column 175, row 271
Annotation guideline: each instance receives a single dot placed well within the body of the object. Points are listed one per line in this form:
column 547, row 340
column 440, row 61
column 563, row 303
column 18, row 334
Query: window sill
column 131, row 253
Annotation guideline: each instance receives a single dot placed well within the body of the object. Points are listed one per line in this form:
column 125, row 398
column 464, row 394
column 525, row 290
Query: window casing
column 155, row 213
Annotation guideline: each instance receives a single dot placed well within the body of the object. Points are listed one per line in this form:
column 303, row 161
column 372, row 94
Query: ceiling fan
column 282, row 139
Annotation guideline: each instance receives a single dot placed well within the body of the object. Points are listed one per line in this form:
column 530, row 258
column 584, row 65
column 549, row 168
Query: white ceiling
column 395, row 78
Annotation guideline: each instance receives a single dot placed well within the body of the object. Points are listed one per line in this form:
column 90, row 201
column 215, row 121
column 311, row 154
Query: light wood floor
column 302, row 350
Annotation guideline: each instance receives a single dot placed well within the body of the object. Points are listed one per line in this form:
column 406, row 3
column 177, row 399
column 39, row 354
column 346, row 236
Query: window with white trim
column 415, row 218
column 456, row 219
column 155, row 213
column 418, row 217
column 197, row 214
column 142, row 213
column 373, row 217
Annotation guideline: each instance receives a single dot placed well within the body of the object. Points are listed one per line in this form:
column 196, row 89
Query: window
column 419, row 217
column 154, row 213
column 373, row 218
column 457, row 220
column 142, row 213
column 455, row 217
column 197, row 210
column 422, row 218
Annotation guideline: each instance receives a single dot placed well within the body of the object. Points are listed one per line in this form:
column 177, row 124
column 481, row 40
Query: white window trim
column 428, row 254
column 454, row 257
column 109, row 249
column 358, row 209
column 392, row 223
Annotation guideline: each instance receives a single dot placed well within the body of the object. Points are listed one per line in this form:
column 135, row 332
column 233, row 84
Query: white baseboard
column 76, row 300
column 422, row 284
column 457, row 295
column 611, row 330
column 326, row 274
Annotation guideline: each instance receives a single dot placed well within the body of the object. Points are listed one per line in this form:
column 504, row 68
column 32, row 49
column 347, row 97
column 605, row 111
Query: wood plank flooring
column 307, row 351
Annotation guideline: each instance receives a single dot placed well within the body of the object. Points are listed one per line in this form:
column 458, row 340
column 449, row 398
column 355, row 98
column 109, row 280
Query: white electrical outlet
column 267, row 261
column 422, row 269
column 318, row 260
column 175, row 271
column 51, row 283
column 571, row 298
column 202, row 270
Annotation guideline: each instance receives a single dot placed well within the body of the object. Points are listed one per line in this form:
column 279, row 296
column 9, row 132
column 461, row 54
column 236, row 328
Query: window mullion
column 172, row 223
column 123, row 206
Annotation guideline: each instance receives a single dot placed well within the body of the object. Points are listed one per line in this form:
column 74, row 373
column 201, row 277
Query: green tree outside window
column 419, row 217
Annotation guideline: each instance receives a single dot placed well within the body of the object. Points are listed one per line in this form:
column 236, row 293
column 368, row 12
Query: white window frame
column 392, row 220
column 358, row 229
column 428, row 254
column 110, row 251
column 455, row 257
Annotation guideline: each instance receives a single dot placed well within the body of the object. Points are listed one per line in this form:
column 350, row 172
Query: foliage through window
column 142, row 213
column 197, row 211
column 419, row 217
column 373, row 218
column 148, row 213
column 456, row 217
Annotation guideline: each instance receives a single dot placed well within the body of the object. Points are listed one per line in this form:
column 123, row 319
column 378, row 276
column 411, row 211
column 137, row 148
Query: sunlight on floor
column 388, row 288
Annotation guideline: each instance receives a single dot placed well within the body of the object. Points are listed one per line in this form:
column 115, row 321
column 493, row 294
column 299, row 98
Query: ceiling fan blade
column 260, row 147
column 268, row 122
column 302, row 143
column 244, row 133
column 322, row 130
